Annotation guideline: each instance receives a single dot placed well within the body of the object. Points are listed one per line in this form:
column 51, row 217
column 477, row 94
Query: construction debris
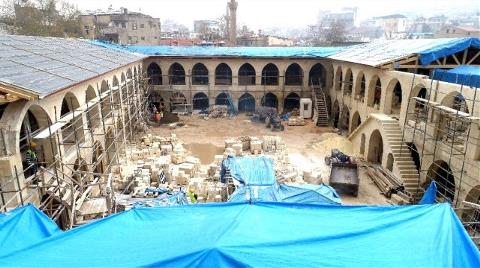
column 388, row 184
column 296, row 121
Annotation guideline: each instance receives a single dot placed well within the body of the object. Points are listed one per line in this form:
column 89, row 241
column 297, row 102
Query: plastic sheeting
column 253, row 52
column 262, row 235
column 445, row 48
column 304, row 194
column 250, row 171
column 430, row 194
column 463, row 75
column 24, row 226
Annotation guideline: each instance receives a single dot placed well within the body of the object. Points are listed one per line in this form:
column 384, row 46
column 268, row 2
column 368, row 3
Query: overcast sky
column 276, row 13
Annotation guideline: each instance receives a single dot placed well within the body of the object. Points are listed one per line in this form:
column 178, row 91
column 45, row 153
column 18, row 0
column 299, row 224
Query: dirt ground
column 307, row 146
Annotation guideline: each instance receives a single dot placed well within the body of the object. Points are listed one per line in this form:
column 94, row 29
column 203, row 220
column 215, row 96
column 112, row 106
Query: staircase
column 402, row 156
column 322, row 112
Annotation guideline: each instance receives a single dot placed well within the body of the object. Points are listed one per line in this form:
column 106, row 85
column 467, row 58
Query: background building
column 121, row 26
column 452, row 31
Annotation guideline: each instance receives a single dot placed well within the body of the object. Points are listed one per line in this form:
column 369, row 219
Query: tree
column 41, row 17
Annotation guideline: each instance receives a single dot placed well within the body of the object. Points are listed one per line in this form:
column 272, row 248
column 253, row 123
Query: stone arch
column 348, row 83
column 199, row 74
column 294, row 75
column 447, row 127
column 154, row 74
column 393, row 100
column 317, row 76
column 270, row 75
column 336, row 113
column 338, row 79
column 374, row 92
column 93, row 113
column 177, row 99
column 440, row 172
column 246, row 103
column 362, row 144
column 176, row 74
column 360, row 87
column 246, row 75
column 375, row 147
column 291, row 102
column 270, row 100
column 345, row 118
column 98, row 163
column 223, row 75
column 200, row 101
column 72, row 132
column 221, row 99
column 33, row 121
column 390, row 161
column 356, row 121
column 472, row 215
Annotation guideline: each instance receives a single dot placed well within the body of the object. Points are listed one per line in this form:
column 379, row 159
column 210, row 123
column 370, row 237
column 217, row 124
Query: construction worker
column 192, row 196
column 31, row 158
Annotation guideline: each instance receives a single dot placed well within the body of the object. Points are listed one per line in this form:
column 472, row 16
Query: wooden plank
column 45, row 133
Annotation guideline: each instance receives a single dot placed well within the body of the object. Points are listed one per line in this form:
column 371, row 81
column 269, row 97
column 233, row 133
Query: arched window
column 294, row 75
column 176, row 74
column 270, row 75
column 223, row 75
column 246, row 75
column 199, row 74
column 154, row 74
column 317, row 76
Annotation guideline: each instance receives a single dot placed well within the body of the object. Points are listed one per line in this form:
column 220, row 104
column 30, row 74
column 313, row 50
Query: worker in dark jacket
column 31, row 158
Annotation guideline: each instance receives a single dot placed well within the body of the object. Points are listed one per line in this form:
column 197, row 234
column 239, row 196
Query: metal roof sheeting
column 381, row 52
column 44, row 65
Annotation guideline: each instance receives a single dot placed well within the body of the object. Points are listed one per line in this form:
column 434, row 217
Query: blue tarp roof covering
column 304, row 194
column 261, row 235
column 23, row 227
column 463, row 75
column 445, row 48
column 251, row 52
column 253, row 171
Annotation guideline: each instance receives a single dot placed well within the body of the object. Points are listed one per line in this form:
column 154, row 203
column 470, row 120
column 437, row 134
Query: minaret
column 232, row 22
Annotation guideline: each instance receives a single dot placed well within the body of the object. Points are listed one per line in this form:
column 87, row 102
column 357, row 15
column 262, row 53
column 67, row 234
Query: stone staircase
column 401, row 156
column 322, row 112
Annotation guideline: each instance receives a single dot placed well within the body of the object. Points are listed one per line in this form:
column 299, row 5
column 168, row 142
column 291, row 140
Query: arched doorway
column 375, row 147
column 72, row 132
column 390, row 162
column 415, row 155
column 374, row 92
column 154, row 74
column 246, row 103
column 450, row 129
column 470, row 214
column 440, row 172
column 246, row 75
column 396, row 98
column 221, row 99
column 291, row 102
column 356, row 121
column 34, row 120
column 176, row 74
column 360, row 87
column 345, row 119
column 270, row 100
column 223, row 75
column 294, row 75
column 155, row 100
column 336, row 114
column 177, row 100
column 199, row 74
column 200, row 101
column 317, row 76
column 338, row 79
column 270, row 75
column 348, row 85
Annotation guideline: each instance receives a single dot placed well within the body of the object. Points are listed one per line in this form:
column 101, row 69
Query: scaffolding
column 73, row 192
column 441, row 134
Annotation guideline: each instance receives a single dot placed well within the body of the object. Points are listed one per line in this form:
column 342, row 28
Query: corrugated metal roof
column 381, row 52
column 43, row 65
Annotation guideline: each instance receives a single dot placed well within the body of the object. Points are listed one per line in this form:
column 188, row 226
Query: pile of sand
column 331, row 141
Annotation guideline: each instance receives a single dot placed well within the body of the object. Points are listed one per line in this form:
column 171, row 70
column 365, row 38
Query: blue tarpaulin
column 253, row 171
column 261, row 235
column 430, row 194
column 304, row 194
column 463, row 75
column 254, row 52
column 446, row 47
column 24, row 226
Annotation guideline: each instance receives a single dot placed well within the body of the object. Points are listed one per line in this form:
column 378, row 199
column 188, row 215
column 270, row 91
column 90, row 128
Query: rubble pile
column 296, row 121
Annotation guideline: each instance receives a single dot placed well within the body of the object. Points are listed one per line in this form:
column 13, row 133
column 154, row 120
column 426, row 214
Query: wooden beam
column 474, row 58
column 465, row 53
column 455, row 58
